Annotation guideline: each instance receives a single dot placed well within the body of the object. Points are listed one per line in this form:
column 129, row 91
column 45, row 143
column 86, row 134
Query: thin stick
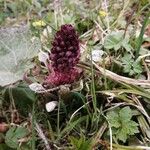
column 42, row 136
column 116, row 77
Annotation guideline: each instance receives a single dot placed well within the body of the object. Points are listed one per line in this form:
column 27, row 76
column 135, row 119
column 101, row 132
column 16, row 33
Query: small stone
column 51, row 106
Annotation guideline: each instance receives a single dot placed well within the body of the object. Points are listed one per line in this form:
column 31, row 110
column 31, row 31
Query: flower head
column 64, row 56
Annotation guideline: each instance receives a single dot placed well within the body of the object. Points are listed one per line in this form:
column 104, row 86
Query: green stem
column 130, row 147
column 58, row 119
column 93, row 86
column 33, row 131
column 140, row 38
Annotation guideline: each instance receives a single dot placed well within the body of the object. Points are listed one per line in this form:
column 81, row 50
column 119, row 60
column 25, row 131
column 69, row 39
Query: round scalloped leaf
column 17, row 48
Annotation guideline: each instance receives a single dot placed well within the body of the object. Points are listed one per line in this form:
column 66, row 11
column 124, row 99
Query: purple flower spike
column 64, row 56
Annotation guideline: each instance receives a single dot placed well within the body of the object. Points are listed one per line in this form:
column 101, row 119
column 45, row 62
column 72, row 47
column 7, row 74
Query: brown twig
column 42, row 136
column 114, row 76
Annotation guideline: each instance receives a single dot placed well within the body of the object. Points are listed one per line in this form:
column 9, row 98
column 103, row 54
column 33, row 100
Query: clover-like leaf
column 131, row 66
column 114, row 40
column 14, row 134
column 113, row 118
column 121, row 123
column 17, row 48
column 125, row 114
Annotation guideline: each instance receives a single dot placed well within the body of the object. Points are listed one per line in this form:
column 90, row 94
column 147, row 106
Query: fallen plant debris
column 3, row 127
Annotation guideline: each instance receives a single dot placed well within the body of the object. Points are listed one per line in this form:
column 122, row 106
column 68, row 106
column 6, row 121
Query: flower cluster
column 64, row 56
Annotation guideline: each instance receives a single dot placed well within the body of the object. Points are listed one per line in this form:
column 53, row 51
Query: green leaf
column 69, row 18
column 127, row 46
column 116, row 40
column 137, row 67
column 121, row 135
column 14, row 134
column 121, row 123
column 113, row 119
column 130, row 66
column 5, row 147
column 113, row 40
column 127, row 58
column 81, row 143
column 125, row 114
column 133, row 127
column 72, row 125
column 128, row 128
column 22, row 95
column 127, row 68
column 17, row 48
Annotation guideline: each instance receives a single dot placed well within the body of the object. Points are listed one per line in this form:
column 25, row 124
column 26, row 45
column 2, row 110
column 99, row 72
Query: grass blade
column 140, row 38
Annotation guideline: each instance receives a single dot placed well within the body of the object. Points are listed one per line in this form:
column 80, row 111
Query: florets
column 64, row 56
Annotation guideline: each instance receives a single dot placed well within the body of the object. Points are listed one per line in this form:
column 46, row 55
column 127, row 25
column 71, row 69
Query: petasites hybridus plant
column 64, row 56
